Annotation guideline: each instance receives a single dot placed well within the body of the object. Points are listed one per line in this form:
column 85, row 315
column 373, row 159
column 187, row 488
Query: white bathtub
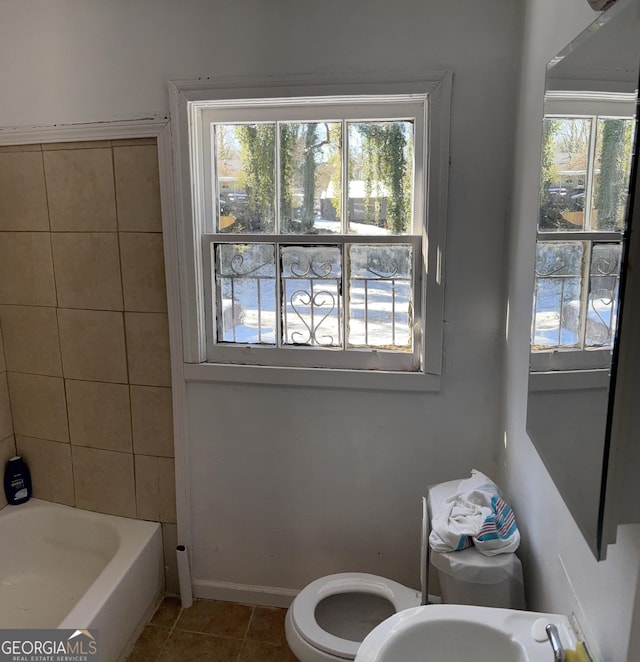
column 63, row 567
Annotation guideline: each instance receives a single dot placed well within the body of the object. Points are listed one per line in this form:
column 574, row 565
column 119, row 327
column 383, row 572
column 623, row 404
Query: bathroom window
column 313, row 214
column 586, row 164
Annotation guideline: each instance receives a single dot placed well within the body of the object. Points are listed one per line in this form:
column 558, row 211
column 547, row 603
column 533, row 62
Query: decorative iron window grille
column 318, row 306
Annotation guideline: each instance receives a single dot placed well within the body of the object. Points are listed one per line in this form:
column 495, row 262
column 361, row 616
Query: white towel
column 476, row 514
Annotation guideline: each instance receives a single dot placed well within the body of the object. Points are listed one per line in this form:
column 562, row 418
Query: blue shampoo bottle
column 17, row 481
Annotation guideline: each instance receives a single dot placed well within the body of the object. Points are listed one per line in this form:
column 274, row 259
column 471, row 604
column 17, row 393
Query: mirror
column 587, row 158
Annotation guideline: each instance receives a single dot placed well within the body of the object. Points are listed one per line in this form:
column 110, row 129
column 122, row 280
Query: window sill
column 569, row 380
column 367, row 380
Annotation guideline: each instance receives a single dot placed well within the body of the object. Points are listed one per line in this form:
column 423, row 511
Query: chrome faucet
column 554, row 639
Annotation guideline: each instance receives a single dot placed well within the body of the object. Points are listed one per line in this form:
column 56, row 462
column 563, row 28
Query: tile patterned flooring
column 213, row 631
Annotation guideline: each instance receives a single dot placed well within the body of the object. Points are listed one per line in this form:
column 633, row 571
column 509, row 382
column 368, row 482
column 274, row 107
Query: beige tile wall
column 85, row 380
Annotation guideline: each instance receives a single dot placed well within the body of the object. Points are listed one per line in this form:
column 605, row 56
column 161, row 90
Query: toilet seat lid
column 303, row 608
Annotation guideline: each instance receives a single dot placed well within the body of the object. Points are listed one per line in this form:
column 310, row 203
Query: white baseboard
column 267, row 596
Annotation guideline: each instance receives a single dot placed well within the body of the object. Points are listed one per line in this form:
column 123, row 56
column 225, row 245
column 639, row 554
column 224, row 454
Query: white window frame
column 589, row 106
column 190, row 103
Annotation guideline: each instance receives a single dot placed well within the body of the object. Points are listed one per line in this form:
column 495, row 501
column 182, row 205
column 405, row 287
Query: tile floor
column 213, row 631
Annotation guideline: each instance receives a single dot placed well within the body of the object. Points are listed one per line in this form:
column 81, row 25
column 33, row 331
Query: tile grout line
column 171, row 630
column 246, row 632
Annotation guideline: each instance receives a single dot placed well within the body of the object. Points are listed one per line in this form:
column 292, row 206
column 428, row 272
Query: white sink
column 449, row 633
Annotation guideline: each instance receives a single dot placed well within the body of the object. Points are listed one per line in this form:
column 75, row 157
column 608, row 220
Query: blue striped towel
column 475, row 515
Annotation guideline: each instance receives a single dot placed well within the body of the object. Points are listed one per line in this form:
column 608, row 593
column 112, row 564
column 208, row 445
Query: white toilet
column 328, row 620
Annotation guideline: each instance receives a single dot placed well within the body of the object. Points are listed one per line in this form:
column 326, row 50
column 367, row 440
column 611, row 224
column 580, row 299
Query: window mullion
column 281, row 304
column 584, row 294
column 213, row 183
column 346, row 293
column 278, row 192
column 345, row 178
column 590, row 178
column 417, row 286
column 346, row 267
